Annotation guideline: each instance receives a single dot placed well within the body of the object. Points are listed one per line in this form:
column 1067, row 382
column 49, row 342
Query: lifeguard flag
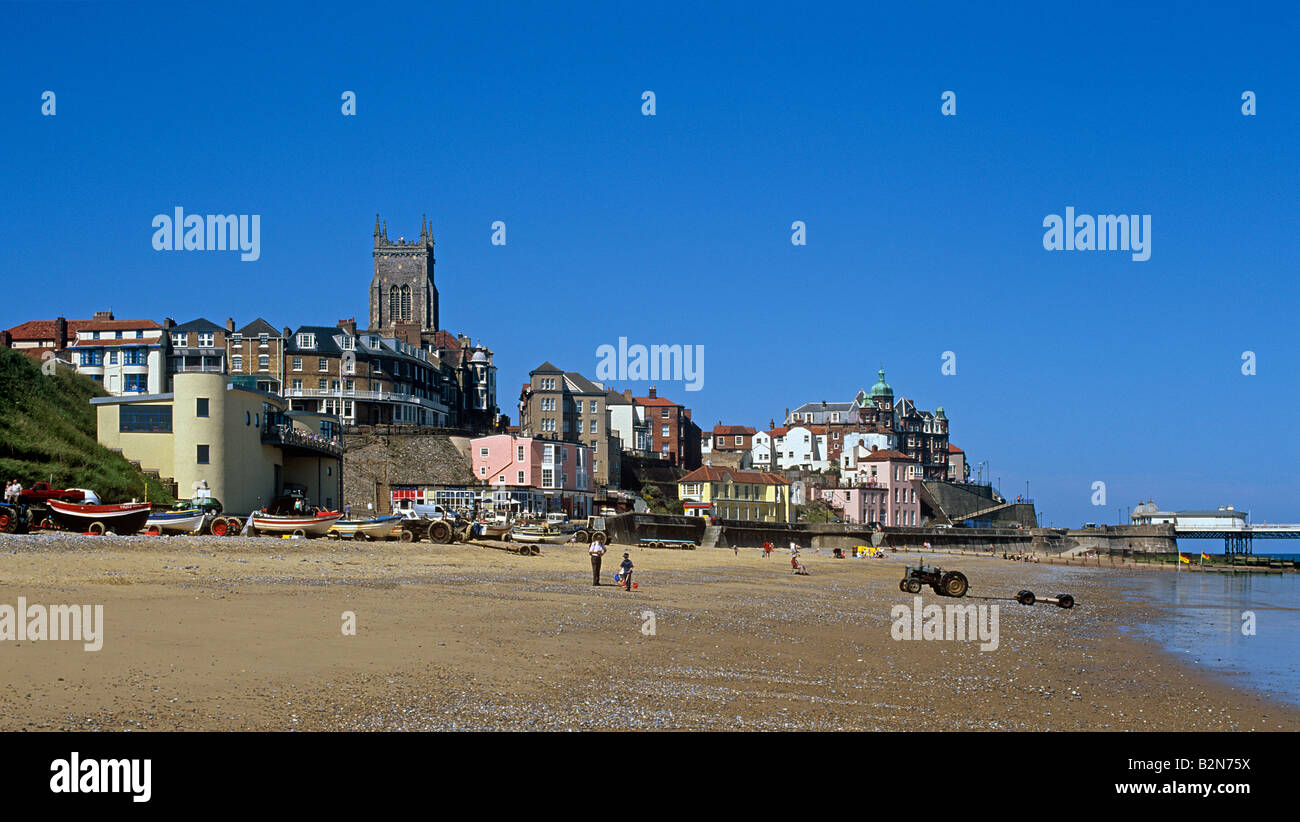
column 1204, row 555
column 1183, row 559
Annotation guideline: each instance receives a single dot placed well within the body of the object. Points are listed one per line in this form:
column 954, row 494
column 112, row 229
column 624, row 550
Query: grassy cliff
column 47, row 433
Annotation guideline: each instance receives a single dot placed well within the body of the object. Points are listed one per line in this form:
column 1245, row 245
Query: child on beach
column 796, row 565
column 626, row 566
column 596, row 550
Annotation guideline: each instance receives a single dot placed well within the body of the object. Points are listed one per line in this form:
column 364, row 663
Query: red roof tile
column 955, row 449
column 656, row 401
column 732, row 430
column 115, row 325
column 710, row 473
column 887, row 454
column 43, row 330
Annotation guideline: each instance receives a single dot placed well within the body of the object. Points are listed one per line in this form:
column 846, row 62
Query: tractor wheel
column 440, row 533
column 583, row 536
column 153, row 531
column 97, row 528
column 954, row 584
column 233, row 526
column 902, row 585
column 913, row 586
column 407, row 535
column 8, row 522
column 220, row 527
column 601, row 534
column 298, row 532
column 46, row 524
column 1065, row 600
column 332, row 534
column 1025, row 597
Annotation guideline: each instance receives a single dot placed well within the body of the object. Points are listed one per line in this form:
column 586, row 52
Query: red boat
column 124, row 518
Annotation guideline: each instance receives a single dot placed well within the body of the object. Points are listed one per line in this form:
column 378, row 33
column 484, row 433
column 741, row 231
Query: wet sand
column 204, row 633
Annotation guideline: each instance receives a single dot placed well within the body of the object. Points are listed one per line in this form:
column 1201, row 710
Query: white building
column 125, row 356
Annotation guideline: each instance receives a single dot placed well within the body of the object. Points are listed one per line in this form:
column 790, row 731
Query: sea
column 1244, row 628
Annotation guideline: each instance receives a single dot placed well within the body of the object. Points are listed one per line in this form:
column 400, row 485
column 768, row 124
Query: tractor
column 944, row 583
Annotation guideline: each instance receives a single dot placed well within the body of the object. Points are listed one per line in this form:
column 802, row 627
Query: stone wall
column 375, row 462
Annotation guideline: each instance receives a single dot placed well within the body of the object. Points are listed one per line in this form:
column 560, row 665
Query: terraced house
column 563, row 405
column 730, row 494
column 257, row 351
column 366, row 379
column 198, row 346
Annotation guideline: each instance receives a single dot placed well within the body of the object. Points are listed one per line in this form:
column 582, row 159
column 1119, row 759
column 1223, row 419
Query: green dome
column 939, row 413
column 881, row 389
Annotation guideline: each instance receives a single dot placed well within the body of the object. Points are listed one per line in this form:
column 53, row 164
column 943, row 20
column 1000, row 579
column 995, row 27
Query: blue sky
column 924, row 232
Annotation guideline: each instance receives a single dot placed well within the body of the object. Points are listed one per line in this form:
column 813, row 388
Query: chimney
column 168, row 322
column 104, row 315
column 653, row 394
column 230, row 325
column 349, row 325
column 6, row 339
column 287, row 333
column 60, row 334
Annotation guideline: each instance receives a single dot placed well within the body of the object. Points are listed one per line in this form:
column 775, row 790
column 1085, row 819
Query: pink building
column 888, row 483
column 543, row 475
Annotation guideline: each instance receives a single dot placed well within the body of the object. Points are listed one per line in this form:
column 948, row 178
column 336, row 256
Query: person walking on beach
column 9, row 491
column 767, row 549
column 596, row 550
column 626, row 567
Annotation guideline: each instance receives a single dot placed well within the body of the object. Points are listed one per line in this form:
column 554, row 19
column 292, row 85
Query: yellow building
column 236, row 443
column 732, row 494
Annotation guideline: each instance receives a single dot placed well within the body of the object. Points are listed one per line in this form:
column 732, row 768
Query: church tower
column 403, row 298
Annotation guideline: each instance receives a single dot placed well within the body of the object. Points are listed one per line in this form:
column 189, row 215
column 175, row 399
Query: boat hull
column 378, row 528
column 125, row 518
column 312, row 526
column 182, row 522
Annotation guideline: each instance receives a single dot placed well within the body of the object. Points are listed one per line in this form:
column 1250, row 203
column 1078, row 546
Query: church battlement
column 425, row 241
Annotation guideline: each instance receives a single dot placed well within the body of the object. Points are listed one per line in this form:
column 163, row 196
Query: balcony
column 287, row 436
column 354, row 394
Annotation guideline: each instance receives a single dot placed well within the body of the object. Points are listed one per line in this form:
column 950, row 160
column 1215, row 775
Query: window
column 236, row 362
column 663, row 413
column 202, row 456
column 145, row 419
column 263, row 363
column 297, row 385
column 482, row 452
column 206, row 339
column 482, row 470
column 740, row 440
column 201, row 406
column 297, row 363
column 320, row 383
column 177, row 339
column 519, row 453
column 592, row 427
column 135, row 383
column 663, row 431
column 579, row 426
column 306, row 340
column 594, row 409
column 112, row 358
column 322, row 364
column 579, row 406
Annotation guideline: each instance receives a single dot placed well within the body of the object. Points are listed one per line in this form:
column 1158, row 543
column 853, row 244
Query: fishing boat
column 376, row 528
column 315, row 524
column 292, row 514
column 123, row 518
column 182, row 521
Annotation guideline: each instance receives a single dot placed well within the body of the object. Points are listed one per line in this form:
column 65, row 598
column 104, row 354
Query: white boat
column 376, row 528
column 184, row 521
column 307, row 525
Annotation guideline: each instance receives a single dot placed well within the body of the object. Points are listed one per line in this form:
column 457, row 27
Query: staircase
column 712, row 533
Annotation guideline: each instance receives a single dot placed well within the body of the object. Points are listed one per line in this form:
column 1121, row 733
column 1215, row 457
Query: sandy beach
column 203, row 633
